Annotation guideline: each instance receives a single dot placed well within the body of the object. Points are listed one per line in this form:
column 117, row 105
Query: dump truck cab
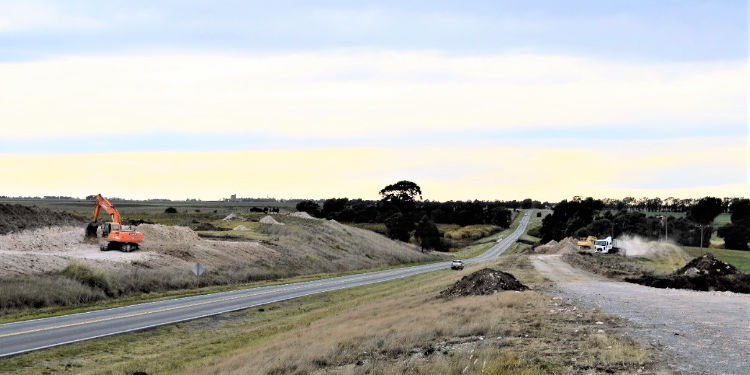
column 603, row 245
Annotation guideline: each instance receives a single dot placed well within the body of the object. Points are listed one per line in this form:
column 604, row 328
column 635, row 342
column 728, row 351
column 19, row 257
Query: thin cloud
column 305, row 94
column 41, row 17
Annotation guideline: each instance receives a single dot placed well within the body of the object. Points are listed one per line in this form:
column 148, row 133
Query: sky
column 300, row 99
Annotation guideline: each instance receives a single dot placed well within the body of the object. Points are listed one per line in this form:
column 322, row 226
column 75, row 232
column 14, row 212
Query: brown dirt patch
column 16, row 217
column 208, row 226
column 483, row 282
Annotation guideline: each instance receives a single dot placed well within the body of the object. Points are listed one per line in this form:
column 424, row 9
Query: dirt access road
column 703, row 332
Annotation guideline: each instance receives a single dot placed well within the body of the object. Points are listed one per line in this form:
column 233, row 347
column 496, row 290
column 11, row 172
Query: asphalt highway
column 29, row 335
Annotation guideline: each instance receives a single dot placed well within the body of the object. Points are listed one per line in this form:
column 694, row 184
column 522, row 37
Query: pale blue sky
column 658, row 89
column 625, row 29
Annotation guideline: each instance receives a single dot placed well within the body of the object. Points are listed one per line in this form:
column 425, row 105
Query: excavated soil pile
column 16, row 217
column 269, row 220
column 175, row 241
column 483, row 282
column 54, row 238
column 565, row 246
column 232, row 216
column 702, row 273
column 707, row 265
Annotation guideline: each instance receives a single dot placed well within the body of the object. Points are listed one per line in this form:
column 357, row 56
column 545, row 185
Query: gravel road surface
column 702, row 332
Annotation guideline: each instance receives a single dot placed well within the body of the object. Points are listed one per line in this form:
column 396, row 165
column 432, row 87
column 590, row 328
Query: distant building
column 233, row 198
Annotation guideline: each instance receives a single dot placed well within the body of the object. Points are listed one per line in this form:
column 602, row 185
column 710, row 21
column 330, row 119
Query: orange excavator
column 114, row 235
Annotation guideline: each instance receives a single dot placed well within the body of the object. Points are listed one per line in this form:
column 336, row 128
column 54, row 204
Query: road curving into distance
column 29, row 335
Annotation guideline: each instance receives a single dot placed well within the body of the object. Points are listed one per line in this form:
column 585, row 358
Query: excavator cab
column 106, row 228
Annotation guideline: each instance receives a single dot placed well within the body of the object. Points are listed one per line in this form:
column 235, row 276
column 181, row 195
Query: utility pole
column 664, row 222
column 701, row 227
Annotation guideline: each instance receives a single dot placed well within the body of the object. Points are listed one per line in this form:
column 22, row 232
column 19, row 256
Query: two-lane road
column 20, row 337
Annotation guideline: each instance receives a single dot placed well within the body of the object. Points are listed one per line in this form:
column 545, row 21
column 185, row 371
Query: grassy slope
column 7, row 316
column 310, row 247
column 381, row 324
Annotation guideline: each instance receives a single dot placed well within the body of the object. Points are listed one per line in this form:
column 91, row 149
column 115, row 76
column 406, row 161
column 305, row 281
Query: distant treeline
column 451, row 212
column 658, row 204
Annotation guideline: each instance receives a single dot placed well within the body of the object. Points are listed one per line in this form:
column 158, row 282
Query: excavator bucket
column 91, row 229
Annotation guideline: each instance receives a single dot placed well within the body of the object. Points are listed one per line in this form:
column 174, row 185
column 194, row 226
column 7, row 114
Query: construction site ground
column 702, row 332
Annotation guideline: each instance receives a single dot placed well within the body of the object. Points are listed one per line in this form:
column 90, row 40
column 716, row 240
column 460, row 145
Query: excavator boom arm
column 103, row 203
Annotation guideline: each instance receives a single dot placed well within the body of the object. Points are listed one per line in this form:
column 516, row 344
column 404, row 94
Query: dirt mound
column 565, row 246
column 240, row 227
column 232, row 216
column 43, row 239
column 302, row 214
column 269, row 220
column 159, row 235
column 707, row 264
column 705, row 273
column 16, row 217
column 483, row 282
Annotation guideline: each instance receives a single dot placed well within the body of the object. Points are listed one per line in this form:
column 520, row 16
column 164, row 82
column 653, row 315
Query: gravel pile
column 269, row 221
column 157, row 235
column 232, row 216
column 565, row 246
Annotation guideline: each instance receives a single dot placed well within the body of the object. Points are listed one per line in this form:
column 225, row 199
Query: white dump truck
column 606, row 245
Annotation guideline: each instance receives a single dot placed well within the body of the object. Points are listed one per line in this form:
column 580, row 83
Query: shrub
column 735, row 236
column 170, row 210
column 44, row 290
column 96, row 279
column 535, row 232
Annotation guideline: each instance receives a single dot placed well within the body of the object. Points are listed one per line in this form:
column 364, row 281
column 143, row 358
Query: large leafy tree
column 500, row 216
column 310, row 207
column 399, row 226
column 737, row 234
column 705, row 211
column 399, row 200
column 740, row 211
column 427, row 234
column 401, row 196
column 568, row 217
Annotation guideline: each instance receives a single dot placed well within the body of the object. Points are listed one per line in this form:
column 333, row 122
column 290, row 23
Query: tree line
column 404, row 213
